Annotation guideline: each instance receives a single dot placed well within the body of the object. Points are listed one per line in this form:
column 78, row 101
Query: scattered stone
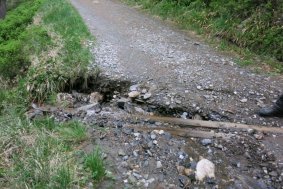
column 205, row 168
column 244, row 100
column 206, row 142
column 124, row 164
column 144, row 91
column 258, row 136
column 132, row 179
column 135, row 153
column 95, row 97
column 184, row 115
column 155, row 142
column 149, row 153
column 146, row 96
column 153, row 136
column 158, row 164
column 134, row 94
column 125, row 158
column 134, row 87
column 138, row 176
column 121, row 153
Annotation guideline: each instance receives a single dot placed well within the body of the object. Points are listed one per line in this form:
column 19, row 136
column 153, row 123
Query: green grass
column 256, row 31
column 73, row 132
column 43, row 153
column 40, row 57
column 95, row 164
column 44, row 44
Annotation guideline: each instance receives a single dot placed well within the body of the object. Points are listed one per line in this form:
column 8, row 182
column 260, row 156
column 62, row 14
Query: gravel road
column 182, row 72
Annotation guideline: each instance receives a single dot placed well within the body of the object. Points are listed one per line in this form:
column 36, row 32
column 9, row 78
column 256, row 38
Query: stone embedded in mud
column 95, row 97
column 205, row 168
column 134, row 94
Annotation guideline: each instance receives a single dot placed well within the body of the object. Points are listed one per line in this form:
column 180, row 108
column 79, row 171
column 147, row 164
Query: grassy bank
column 43, row 48
column 47, row 50
column 249, row 27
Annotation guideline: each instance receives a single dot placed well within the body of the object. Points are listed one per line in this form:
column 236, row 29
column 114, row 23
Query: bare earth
column 182, row 72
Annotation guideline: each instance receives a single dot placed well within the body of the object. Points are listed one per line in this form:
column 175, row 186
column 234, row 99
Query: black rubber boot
column 274, row 111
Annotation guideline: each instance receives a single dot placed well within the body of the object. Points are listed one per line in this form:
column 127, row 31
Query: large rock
column 205, row 168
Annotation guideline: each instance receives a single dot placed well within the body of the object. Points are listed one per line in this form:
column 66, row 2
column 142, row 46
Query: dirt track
column 181, row 72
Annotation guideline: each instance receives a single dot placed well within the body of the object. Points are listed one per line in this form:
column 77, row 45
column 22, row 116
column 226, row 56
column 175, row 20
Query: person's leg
column 275, row 110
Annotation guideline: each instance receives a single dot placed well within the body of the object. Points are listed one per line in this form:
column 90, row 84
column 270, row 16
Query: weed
column 95, row 164
column 73, row 132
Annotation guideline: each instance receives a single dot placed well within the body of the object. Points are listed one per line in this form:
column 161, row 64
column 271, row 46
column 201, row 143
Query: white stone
column 205, row 168
column 134, row 94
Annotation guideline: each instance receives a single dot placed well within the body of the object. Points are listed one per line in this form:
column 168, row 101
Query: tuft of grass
column 73, row 132
column 95, row 164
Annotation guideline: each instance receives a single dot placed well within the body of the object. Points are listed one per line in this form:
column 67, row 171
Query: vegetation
column 48, row 50
column 42, row 48
column 250, row 24
column 95, row 164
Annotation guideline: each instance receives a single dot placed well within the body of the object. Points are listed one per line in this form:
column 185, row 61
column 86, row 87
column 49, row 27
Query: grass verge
column 43, row 48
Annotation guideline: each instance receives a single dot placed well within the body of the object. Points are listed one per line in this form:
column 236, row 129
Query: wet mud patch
column 146, row 153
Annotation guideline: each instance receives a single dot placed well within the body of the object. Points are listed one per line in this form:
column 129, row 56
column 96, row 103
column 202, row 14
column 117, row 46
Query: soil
column 176, row 75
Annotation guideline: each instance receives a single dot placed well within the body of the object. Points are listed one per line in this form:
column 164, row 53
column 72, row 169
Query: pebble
column 134, row 94
column 206, row 142
column 125, row 158
column 124, row 164
column 132, row 179
column 121, row 153
column 135, row 153
column 153, row 136
column 146, row 96
column 158, row 164
column 149, row 153
column 244, row 100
